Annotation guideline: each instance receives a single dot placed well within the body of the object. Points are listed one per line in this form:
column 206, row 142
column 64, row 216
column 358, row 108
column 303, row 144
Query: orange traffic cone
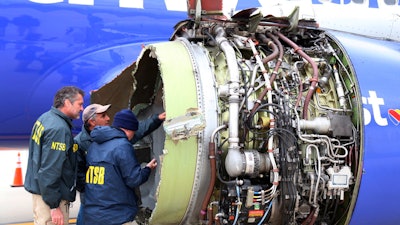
column 18, row 174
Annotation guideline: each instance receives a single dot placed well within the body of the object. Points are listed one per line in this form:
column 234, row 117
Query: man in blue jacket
column 96, row 115
column 93, row 115
column 51, row 170
column 114, row 172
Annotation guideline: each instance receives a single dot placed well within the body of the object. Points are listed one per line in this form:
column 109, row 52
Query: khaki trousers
column 130, row 223
column 41, row 211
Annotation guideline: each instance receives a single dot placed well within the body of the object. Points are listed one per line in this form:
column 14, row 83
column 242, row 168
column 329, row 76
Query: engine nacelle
column 263, row 122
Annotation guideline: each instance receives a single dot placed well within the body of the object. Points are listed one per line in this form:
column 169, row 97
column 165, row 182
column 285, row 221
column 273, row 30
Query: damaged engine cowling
column 264, row 125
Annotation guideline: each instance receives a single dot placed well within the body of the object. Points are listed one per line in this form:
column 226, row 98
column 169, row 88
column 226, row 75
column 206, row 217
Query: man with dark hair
column 114, row 173
column 51, row 171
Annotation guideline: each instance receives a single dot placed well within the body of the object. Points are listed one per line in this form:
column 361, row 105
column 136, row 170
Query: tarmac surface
column 16, row 202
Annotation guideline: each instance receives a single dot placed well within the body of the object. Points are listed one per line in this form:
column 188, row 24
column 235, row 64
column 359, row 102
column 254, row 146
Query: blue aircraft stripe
column 244, row 4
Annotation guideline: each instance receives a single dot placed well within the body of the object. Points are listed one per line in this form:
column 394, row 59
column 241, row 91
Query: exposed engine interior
column 264, row 123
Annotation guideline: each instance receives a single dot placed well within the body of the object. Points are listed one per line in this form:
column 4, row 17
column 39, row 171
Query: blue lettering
column 316, row 2
column 46, row 1
column 180, row 5
column 371, row 3
column 173, row 5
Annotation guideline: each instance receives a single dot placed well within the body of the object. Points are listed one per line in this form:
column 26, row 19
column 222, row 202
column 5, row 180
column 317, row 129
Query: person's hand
column 152, row 164
column 162, row 116
column 57, row 216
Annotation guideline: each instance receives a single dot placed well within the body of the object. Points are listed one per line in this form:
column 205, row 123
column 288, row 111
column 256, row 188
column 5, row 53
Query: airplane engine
column 264, row 124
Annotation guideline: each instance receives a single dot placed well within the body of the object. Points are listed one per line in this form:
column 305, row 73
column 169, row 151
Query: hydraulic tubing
column 271, row 45
column 213, row 168
column 314, row 79
column 279, row 62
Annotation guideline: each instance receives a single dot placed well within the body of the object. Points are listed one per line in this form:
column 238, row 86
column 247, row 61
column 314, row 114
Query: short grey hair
column 68, row 92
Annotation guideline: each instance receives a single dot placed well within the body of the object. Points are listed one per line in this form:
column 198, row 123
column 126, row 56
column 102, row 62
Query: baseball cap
column 92, row 109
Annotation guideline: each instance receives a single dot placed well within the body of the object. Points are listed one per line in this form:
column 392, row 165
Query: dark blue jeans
column 80, row 220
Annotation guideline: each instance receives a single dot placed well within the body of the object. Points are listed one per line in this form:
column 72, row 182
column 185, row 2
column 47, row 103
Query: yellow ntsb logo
column 95, row 175
column 75, row 147
column 58, row 146
column 37, row 132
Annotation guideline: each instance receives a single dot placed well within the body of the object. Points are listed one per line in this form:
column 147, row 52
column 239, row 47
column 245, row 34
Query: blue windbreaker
column 84, row 140
column 112, row 175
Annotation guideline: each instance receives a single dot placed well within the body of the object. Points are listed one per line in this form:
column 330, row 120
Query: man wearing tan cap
column 93, row 115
